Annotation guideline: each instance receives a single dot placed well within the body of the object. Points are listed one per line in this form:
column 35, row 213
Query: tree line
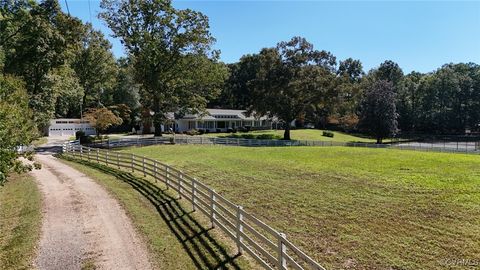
column 53, row 65
column 293, row 81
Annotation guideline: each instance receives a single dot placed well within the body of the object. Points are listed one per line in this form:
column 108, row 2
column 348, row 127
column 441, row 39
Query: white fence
column 268, row 247
column 451, row 147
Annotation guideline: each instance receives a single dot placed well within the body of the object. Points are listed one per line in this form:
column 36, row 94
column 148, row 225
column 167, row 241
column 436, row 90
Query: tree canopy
column 171, row 53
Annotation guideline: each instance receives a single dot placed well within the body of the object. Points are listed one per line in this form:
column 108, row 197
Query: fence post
column 118, row 161
column 180, row 185
column 194, row 186
column 81, row 152
column 132, row 162
column 143, row 166
column 97, row 156
column 88, row 154
column 239, row 228
column 155, row 166
column 167, row 176
column 282, row 250
column 213, row 207
column 106, row 158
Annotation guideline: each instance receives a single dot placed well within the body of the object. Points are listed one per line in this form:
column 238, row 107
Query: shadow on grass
column 201, row 247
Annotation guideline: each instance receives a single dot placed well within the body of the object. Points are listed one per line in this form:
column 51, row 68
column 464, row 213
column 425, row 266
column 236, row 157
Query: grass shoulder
column 176, row 237
column 20, row 222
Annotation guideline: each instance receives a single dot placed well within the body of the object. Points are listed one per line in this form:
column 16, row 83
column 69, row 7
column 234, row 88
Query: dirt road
column 83, row 226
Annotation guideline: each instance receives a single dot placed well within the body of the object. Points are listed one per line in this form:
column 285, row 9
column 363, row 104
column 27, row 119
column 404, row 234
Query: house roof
column 223, row 114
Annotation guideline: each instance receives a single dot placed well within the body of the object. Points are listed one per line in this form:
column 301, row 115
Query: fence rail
column 267, row 246
column 451, row 147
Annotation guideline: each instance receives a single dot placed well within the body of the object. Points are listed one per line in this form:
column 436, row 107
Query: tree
column 378, row 114
column 96, row 69
column 236, row 93
column 350, row 69
column 126, row 90
column 171, row 54
column 16, row 126
column 37, row 39
column 64, row 83
column 389, row 71
column 287, row 80
column 102, row 118
column 409, row 101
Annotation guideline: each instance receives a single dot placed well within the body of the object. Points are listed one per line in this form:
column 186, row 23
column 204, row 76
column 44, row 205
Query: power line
column 68, row 10
column 89, row 11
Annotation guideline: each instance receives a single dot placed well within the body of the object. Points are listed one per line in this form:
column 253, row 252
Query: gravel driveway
column 83, row 226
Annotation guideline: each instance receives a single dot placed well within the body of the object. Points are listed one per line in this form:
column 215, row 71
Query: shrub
column 192, row 132
column 201, row 131
column 79, row 134
column 86, row 139
column 229, row 130
column 268, row 137
column 248, row 136
column 328, row 134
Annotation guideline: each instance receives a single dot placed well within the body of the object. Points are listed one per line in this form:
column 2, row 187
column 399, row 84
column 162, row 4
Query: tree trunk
column 157, row 123
column 379, row 140
column 157, row 117
column 286, row 134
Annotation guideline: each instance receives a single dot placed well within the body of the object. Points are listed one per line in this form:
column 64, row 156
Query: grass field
column 20, row 219
column 174, row 236
column 303, row 134
column 350, row 208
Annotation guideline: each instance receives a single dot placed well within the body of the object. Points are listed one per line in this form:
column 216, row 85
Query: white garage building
column 68, row 127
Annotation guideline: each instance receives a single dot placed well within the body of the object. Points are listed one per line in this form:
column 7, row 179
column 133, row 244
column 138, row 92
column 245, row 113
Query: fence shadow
column 205, row 251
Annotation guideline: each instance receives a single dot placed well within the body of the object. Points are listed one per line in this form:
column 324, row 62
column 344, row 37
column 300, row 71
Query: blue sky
column 419, row 36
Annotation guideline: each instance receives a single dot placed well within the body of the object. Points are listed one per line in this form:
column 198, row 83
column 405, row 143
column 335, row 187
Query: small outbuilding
column 68, row 127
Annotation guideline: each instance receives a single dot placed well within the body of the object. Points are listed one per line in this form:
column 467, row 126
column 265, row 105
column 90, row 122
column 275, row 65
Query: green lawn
column 349, row 207
column 175, row 237
column 303, row 134
column 20, row 221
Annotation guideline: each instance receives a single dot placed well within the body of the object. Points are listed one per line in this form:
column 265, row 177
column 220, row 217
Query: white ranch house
column 222, row 120
column 68, row 127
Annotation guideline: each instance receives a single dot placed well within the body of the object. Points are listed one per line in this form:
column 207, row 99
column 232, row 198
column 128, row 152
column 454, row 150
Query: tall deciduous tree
column 38, row 38
column 288, row 78
column 378, row 115
column 171, row 54
column 16, row 125
column 96, row 68
column 236, row 93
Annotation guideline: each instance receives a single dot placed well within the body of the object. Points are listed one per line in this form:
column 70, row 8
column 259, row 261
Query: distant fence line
column 268, row 247
column 451, row 147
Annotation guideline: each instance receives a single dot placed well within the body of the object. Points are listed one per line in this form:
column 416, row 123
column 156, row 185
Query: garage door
column 61, row 132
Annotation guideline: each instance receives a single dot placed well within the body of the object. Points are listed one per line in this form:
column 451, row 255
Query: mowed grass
column 20, row 222
column 176, row 237
column 304, row 134
column 350, row 208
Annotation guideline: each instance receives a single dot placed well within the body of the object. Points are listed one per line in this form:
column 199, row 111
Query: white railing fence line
column 453, row 147
column 267, row 246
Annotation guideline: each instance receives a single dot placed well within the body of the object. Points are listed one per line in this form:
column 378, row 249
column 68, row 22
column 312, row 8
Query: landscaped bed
column 349, row 207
